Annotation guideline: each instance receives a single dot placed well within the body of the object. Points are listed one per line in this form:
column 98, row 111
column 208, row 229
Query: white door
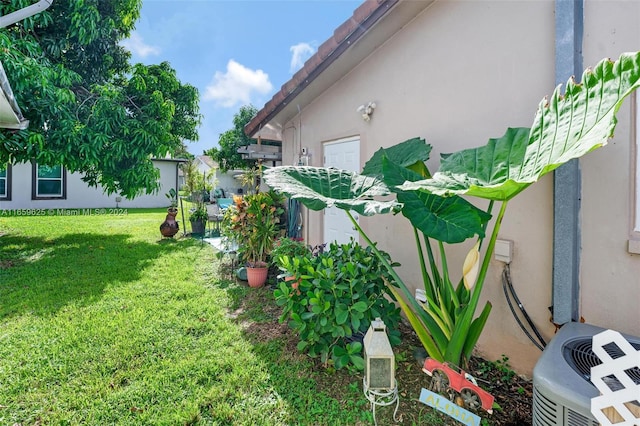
column 343, row 154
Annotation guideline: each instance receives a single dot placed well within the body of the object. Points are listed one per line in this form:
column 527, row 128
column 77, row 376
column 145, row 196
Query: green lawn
column 103, row 322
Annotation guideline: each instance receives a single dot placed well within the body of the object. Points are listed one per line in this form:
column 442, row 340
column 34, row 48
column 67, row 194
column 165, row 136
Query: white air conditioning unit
column 562, row 389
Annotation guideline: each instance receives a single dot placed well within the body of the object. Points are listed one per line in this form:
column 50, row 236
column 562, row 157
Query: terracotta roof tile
column 327, row 48
column 278, row 97
column 313, row 62
column 270, row 105
column 366, row 9
column 344, row 30
column 301, row 75
column 289, row 86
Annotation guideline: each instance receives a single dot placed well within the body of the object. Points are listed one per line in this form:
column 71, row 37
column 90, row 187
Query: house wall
column 79, row 195
column 609, row 273
column 227, row 182
column 201, row 166
column 459, row 74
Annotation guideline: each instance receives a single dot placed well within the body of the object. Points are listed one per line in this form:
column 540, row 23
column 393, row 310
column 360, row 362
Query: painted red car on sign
column 445, row 378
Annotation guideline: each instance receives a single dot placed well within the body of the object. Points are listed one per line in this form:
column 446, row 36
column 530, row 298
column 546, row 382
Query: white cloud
column 237, row 85
column 300, row 53
column 136, row 45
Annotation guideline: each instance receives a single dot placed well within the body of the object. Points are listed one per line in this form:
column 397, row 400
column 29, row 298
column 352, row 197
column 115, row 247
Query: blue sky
column 236, row 52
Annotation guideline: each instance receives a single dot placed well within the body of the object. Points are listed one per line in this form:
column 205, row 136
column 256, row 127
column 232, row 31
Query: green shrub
column 290, row 247
column 332, row 298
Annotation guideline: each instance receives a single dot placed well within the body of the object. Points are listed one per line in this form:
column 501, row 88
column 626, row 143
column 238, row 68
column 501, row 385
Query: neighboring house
column 458, row 73
column 30, row 186
column 228, row 182
column 205, row 164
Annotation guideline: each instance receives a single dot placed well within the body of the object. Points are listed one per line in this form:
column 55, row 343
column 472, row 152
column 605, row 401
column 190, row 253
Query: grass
column 103, row 322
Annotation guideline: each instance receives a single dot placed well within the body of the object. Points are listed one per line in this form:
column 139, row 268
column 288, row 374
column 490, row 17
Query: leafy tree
column 227, row 154
column 88, row 108
column 183, row 153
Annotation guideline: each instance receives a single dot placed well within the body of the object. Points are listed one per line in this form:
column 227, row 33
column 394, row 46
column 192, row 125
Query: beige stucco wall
column 609, row 274
column 457, row 75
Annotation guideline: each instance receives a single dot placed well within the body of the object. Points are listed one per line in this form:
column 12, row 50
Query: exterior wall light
column 379, row 381
column 366, row 110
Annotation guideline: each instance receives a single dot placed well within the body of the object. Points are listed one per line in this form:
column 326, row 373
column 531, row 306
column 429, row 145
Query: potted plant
column 170, row 226
column 253, row 222
column 198, row 216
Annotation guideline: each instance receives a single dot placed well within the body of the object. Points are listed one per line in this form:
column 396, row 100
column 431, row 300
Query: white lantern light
column 379, row 361
column 379, row 381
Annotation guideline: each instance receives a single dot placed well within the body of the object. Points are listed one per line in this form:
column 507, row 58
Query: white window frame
column 36, row 187
column 7, row 182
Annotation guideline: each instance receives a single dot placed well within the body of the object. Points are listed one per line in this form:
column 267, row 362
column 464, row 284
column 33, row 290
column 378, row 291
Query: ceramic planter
column 170, row 226
column 197, row 226
column 257, row 276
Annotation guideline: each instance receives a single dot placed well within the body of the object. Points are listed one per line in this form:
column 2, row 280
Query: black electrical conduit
column 507, row 286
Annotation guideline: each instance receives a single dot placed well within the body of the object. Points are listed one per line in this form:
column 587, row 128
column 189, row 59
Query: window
column 5, row 182
column 48, row 182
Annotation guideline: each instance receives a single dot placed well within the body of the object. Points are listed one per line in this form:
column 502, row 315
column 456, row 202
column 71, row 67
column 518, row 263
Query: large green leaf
column 474, row 331
column 565, row 127
column 447, row 219
column 318, row 188
column 411, row 154
column 433, row 350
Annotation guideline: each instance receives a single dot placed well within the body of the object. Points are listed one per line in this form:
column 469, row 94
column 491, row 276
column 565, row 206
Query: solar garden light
column 232, row 255
column 379, row 381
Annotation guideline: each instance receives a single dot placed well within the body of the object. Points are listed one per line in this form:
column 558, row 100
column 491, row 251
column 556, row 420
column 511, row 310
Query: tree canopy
column 227, row 154
column 89, row 109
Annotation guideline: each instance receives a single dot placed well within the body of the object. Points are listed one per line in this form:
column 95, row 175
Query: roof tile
column 365, row 10
column 313, row 62
column 344, row 30
column 289, row 86
column 327, row 48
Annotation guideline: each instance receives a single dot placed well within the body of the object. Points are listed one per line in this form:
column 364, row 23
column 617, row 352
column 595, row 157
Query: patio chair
column 214, row 219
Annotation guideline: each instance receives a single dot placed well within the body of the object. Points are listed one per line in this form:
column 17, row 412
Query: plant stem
column 437, row 279
column 487, row 256
column 392, row 272
column 489, row 209
column 426, row 280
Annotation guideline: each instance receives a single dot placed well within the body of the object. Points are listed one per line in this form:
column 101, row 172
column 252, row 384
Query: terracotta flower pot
column 257, row 276
column 294, row 284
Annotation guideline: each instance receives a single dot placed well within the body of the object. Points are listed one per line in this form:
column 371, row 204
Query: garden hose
column 507, row 283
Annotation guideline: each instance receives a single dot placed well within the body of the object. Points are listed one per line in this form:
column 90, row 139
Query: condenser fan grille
column 580, row 356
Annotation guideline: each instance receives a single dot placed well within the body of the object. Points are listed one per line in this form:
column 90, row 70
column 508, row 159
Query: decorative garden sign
column 449, row 408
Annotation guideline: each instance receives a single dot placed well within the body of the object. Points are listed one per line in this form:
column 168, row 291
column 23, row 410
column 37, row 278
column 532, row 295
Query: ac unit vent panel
column 580, row 356
column 562, row 389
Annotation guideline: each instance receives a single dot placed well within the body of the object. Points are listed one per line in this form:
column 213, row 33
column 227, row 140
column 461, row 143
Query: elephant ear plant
column 566, row 126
